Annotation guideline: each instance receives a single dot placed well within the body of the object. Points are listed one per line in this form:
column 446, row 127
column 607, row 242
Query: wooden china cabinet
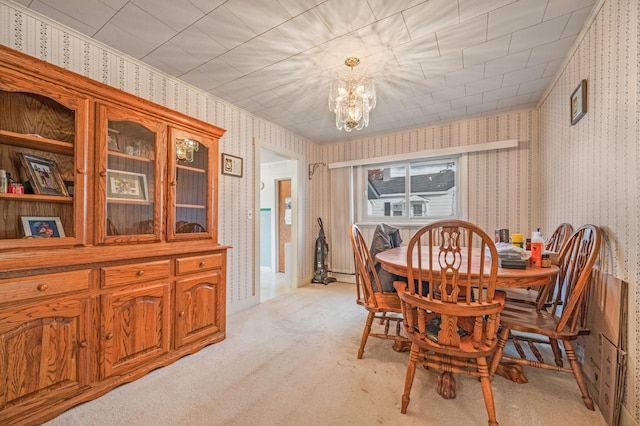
column 109, row 261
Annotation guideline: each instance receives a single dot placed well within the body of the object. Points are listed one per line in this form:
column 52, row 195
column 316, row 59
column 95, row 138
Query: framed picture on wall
column 44, row 175
column 579, row 102
column 231, row 165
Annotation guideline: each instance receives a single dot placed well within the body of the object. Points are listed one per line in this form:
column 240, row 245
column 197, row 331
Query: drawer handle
column 202, row 263
column 140, row 273
column 43, row 287
column 109, row 336
column 83, row 344
column 181, row 314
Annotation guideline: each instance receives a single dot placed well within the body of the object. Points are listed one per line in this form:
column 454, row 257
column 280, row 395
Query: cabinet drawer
column 206, row 262
column 134, row 273
column 15, row 289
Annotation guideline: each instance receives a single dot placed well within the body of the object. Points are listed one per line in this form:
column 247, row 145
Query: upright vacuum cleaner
column 320, row 262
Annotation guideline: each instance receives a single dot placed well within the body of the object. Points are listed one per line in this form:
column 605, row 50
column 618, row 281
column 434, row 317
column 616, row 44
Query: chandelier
column 352, row 98
column 185, row 149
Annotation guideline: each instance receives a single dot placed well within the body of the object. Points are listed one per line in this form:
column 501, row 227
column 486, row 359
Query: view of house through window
column 411, row 190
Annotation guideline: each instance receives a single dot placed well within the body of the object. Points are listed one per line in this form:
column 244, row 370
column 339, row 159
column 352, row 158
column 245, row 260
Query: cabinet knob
column 103, row 173
column 140, row 273
column 81, row 171
column 83, row 344
column 109, row 336
column 202, row 263
column 43, row 287
column 181, row 314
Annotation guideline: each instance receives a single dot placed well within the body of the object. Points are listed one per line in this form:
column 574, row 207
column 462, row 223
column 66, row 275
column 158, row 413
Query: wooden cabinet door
column 192, row 194
column 44, row 354
column 131, row 151
column 135, row 327
column 198, row 308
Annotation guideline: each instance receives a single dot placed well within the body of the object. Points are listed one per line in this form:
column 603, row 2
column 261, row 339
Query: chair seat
column 525, row 318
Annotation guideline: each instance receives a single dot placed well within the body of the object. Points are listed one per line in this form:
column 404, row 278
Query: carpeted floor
column 292, row 361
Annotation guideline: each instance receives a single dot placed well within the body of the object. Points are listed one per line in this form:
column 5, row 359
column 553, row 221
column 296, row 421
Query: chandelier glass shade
column 185, row 149
column 352, row 98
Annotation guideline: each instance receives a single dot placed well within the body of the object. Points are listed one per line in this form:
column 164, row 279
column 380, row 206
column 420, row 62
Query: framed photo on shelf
column 231, row 165
column 123, row 185
column 112, row 140
column 42, row 227
column 44, row 175
column 579, row 102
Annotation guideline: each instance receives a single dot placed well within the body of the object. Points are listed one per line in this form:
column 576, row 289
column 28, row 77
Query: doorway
column 277, row 182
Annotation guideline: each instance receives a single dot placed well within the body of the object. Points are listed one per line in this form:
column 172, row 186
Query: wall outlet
column 249, row 214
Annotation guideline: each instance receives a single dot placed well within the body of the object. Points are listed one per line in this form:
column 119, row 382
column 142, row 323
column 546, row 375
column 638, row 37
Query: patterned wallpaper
column 589, row 172
column 580, row 174
column 27, row 32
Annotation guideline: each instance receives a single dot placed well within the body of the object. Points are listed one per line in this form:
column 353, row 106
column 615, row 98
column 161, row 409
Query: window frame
column 361, row 185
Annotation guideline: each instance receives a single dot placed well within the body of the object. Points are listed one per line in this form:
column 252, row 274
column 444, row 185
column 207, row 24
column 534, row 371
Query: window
column 416, row 190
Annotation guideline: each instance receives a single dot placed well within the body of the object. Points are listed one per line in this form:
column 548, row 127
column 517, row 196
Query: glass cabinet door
column 130, row 180
column 191, row 201
column 43, row 141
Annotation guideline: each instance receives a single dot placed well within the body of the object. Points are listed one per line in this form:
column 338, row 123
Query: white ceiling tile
column 222, row 71
column 305, row 31
column 296, row 7
column 504, row 92
column 552, row 68
column 576, row 22
column 524, row 75
column 562, row 7
column 465, row 75
column 516, row 101
column 536, row 35
column 438, row 66
column 264, row 15
column 173, row 13
column 515, row 17
column 482, row 107
column 223, row 26
column 484, row 52
column 448, row 94
column 463, row 35
column 534, row 86
column 342, row 17
column 421, row 50
column 387, row 33
column 272, row 46
column 121, row 40
column 475, row 99
column 509, row 63
column 431, row 16
column 550, row 51
column 385, row 8
column 470, row 9
column 198, row 44
column 453, row 114
column 206, row 5
column 485, row 85
column 243, row 58
column 144, row 28
column 173, row 57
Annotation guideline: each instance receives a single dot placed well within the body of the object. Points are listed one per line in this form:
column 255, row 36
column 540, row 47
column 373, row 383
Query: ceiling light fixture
column 185, row 149
column 352, row 98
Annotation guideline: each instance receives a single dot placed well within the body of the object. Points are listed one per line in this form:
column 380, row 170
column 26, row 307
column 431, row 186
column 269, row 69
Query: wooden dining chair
column 559, row 321
column 554, row 244
column 189, row 227
column 381, row 305
column 453, row 328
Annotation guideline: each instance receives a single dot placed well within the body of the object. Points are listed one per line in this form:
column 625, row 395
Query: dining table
column 395, row 261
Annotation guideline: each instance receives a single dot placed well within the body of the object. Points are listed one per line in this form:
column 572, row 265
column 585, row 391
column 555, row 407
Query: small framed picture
column 126, row 186
column 579, row 102
column 44, row 175
column 42, row 227
column 112, row 140
column 231, row 165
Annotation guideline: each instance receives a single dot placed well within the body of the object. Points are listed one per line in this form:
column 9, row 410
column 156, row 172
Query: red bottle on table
column 537, row 247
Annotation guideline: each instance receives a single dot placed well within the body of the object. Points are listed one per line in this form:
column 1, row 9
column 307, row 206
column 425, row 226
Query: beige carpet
column 292, row 361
